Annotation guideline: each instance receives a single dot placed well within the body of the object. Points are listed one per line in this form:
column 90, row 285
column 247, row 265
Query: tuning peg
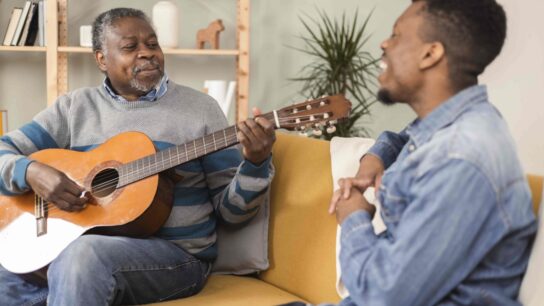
column 312, row 118
column 303, row 134
column 326, row 116
column 295, row 110
column 317, row 132
column 331, row 129
column 297, row 121
column 308, row 107
column 322, row 103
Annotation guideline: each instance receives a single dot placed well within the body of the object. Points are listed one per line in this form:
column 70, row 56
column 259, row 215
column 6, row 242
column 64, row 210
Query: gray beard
column 144, row 86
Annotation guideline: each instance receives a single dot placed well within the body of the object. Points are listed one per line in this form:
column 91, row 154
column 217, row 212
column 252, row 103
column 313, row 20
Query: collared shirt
column 457, row 209
column 151, row 96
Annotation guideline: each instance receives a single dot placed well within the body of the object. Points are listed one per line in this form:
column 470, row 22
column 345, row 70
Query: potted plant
column 340, row 65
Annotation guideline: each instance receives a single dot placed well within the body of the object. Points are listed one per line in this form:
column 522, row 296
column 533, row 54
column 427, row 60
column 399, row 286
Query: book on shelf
column 30, row 29
column 12, row 25
column 21, row 24
column 41, row 23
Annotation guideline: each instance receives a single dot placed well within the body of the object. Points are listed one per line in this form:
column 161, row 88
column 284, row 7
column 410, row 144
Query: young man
column 136, row 96
column 454, row 196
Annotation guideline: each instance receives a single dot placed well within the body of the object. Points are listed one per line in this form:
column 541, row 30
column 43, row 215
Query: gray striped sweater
column 217, row 186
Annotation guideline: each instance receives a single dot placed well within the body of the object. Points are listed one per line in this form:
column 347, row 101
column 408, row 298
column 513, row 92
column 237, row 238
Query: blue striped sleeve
column 260, row 171
column 19, row 173
column 249, row 195
column 39, row 136
column 235, row 210
column 9, row 141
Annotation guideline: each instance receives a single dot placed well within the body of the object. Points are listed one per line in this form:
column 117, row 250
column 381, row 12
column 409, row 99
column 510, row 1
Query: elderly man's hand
column 257, row 137
column 54, row 186
column 345, row 207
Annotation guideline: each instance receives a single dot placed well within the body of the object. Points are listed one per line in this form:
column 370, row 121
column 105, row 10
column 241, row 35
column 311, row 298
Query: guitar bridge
column 40, row 212
column 41, row 226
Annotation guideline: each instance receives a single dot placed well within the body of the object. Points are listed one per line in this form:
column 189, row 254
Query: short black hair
column 472, row 32
column 105, row 20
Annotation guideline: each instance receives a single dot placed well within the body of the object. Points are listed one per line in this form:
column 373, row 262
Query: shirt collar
column 421, row 131
column 152, row 95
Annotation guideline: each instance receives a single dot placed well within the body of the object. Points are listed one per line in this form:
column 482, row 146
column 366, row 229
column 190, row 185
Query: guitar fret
column 204, row 145
column 214, row 144
column 164, row 160
column 194, row 147
column 177, row 154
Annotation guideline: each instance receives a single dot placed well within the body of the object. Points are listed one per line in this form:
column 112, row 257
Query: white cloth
column 345, row 155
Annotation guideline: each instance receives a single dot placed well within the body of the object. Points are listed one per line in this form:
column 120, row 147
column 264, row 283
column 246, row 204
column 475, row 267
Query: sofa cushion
column 302, row 233
column 243, row 250
column 229, row 290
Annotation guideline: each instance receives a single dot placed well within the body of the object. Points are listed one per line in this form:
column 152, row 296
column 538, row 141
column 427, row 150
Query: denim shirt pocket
column 392, row 204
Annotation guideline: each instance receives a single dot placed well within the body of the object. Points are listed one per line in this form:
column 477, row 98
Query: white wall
column 514, row 79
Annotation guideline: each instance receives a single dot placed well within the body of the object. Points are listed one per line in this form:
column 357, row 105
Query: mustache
column 152, row 64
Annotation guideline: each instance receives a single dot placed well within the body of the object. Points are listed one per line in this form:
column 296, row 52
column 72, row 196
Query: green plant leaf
column 340, row 65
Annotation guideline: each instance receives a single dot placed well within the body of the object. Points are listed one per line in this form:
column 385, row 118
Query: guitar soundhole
column 105, row 182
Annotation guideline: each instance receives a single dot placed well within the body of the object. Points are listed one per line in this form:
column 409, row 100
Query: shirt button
column 411, row 148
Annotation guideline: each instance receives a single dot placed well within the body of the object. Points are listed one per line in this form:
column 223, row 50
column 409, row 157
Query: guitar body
column 137, row 209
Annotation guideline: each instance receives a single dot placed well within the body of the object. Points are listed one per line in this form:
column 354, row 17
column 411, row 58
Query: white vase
column 165, row 17
column 222, row 91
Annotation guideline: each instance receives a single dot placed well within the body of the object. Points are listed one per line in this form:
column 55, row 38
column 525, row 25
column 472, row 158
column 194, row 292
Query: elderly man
column 454, row 195
column 136, row 96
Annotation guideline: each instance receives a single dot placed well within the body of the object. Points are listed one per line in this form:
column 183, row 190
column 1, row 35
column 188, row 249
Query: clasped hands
column 349, row 197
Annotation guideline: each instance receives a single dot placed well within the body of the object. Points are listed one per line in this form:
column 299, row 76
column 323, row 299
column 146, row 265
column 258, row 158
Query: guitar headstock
column 313, row 114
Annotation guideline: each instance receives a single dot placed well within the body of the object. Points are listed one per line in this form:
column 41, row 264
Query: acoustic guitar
column 127, row 183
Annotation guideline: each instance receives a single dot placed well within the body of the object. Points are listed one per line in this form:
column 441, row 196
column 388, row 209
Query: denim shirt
column 457, row 209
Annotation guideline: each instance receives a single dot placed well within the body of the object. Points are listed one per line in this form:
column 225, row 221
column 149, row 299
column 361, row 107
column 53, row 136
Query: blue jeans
column 104, row 270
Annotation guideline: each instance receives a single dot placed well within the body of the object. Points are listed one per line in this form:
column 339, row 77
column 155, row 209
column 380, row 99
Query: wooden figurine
column 210, row 34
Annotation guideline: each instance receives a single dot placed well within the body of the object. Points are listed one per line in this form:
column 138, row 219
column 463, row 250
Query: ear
column 100, row 60
column 433, row 54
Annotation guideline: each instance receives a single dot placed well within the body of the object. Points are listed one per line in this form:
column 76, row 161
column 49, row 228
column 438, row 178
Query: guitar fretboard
column 177, row 155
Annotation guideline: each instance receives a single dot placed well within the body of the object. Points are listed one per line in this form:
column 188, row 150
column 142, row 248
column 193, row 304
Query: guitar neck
column 177, row 155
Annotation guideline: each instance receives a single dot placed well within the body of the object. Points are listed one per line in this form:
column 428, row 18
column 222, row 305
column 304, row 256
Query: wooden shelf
column 57, row 52
column 227, row 52
column 22, row 49
column 200, row 51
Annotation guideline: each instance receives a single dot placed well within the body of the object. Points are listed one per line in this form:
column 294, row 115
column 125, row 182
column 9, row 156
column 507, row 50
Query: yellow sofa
column 301, row 236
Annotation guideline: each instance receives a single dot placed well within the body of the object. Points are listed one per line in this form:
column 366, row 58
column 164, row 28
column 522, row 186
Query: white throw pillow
column 532, row 290
column 345, row 155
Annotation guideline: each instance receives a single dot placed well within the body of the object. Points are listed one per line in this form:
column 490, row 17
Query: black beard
column 385, row 97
